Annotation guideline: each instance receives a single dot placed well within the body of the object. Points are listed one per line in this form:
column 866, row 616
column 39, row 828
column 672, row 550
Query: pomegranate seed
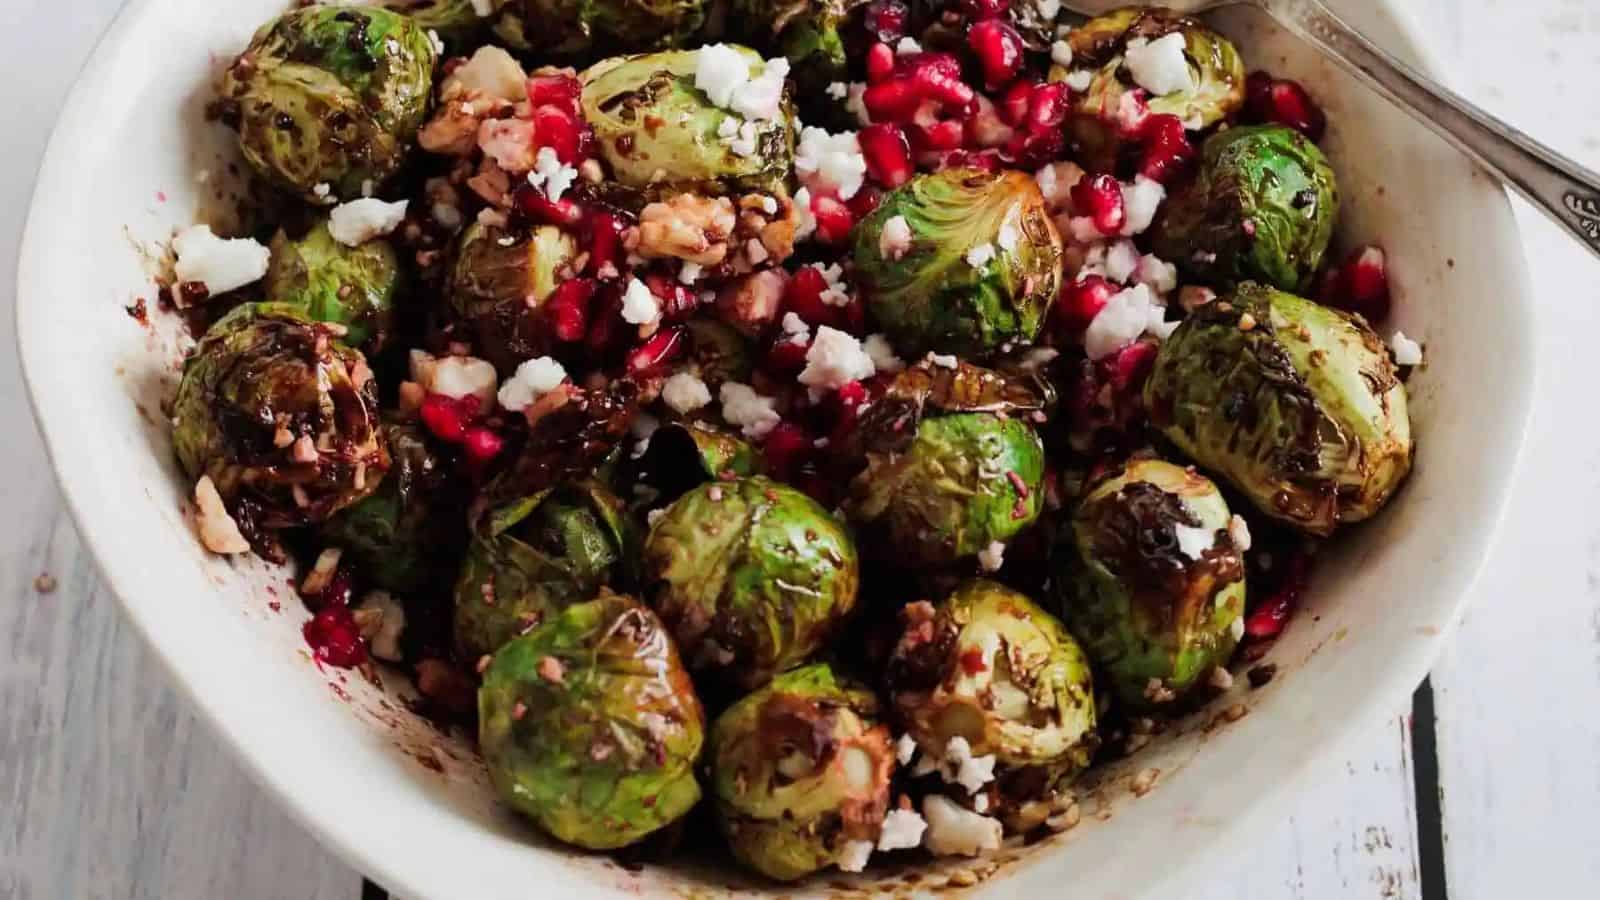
column 891, row 100
column 1018, row 99
column 661, row 348
column 677, row 301
column 568, row 309
column 948, row 134
column 1166, row 148
column 337, row 592
column 854, row 316
column 1080, row 301
column 787, row 358
column 555, row 90
column 1360, row 284
column 887, row 19
column 1284, row 102
column 937, row 76
column 447, row 417
column 604, row 236
column 1258, row 96
column 605, row 327
column 481, row 445
column 865, row 201
column 851, row 394
column 999, row 50
column 972, row 661
column 887, row 153
column 803, row 297
column 335, row 638
column 834, row 220
column 1131, row 365
column 1100, row 198
column 560, row 130
column 978, row 10
column 1047, row 107
column 786, row 448
column 532, row 203
column 987, row 128
column 1269, row 617
column 880, row 63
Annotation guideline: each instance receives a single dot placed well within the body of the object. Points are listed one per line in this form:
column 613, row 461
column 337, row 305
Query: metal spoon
column 1565, row 190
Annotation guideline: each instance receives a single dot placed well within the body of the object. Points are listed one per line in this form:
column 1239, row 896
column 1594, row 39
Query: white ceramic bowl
column 414, row 811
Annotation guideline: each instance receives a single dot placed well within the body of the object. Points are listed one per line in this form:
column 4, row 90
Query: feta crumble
column 961, row 767
column 836, row 293
column 359, row 221
column 491, row 73
column 551, row 174
column 1236, row 628
column 685, row 393
column 1061, row 54
column 219, row 532
column 484, row 8
column 1157, row 274
column 1121, row 261
column 1010, row 231
column 1140, row 199
column 954, row 831
column 992, row 557
column 830, row 162
column 220, row 264
column 907, row 46
column 795, row 327
column 1125, row 316
column 689, row 273
column 1194, row 542
column 806, row 222
column 1239, row 531
column 639, row 305
column 532, row 380
column 902, row 830
column 761, row 97
column 754, row 414
column 1406, row 351
column 1160, row 66
column 455, row 376
column 894, row 240
column 905, row 749
column 391, row 623
column 719, row 71
column 1080, row 79
column 835, row 359
column 882, row 352
column 853, row 856
column 944, row 360
column 838, row 90
column 980, row 256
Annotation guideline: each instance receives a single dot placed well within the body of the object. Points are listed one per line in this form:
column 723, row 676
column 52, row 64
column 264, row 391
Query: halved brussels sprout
column 799, row 769
column 989, row 666
column 571, row 28
column 1262, row 207
column 752, row 577
column 982, row 267
column 329, row 99
column 580, row 439
column 1151, row 580
column 353, row 286
column 282, row 416
column 1295, row 404
column 962, row 483
column 663, row 136
column 719, row 352
column 590, row 726
column 498, row 283
column 407, row 535
column 531, row 558
column 684, row 455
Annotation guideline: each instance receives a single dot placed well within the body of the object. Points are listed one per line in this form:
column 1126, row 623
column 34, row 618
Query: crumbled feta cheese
column 719, row 71
column 1010, row 228
column 853, row 856
column 838, row 90
column 219, row 533
column 954, row 831
column 1038, row 358
column 1080, row 79
column 728, row 128
column 1159, row 66
column 902, row 830
column 1194, row 542
column 1239, row 531
column 1236, row 628
column 484, row 8
column 1121, row 260
column 323, row 191
column 754, row 414
column 795, row 327
column 1140, row 199
column 944, row 360
column 992, row 557
column 220, row 264
column 1056, row 182
column 1125, row 316
column 744, row 137
column 436, row 42
column 836, row 293
column 1220, row 678
column 830, row 162
column 491, row 73
column 1047, row 9
column 532, row 380
column 550, row 173
column 1156, row 273
column 882, row 352
column 980, row 256
column 639, row 305
column 1406, row 351
column 761, row 97
column 689, row 274
column 1061, row 54
column 359, row 221
column 855, row 105
column 835, row 359
column 961, row 767
column 391, row 623
column 907, row 45
column 894, row 240
column 905, row 749
column 805, row 221
column 654, row 516
column 685, row 393
column 455, row 376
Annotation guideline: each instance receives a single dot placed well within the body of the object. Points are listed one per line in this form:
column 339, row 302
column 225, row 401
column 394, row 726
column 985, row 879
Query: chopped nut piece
column 218, row 531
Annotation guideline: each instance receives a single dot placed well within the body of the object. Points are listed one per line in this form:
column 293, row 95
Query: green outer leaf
column 352, row 286
column 764, row 574
column 1142, row 608
column 932, row 299
column 1304, row 413
column 949, row 494
column 1267, row 175
column 623, row 696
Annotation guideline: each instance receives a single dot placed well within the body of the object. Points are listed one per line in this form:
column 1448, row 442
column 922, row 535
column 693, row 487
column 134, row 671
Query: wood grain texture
column 1518, row 690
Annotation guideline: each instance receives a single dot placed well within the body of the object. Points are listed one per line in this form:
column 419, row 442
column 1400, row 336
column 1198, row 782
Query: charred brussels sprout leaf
column 1302, row 411
column 1151, row 580
column 800, row 768
column 988, row 665
column 982, row 269
column 532, row 558
column 662, row 136
column 353, row 286
column 752, row 576
column 590, row 726
column 407, row 534
column 963, row 482
column 685, row 455
column 806, row 32
column 1261, row 208
column 281, row 415
column 499, row 282
column 571, row 28
column 330, row 98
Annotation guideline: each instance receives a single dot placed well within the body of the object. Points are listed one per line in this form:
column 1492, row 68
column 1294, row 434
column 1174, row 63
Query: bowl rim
column 370, row 855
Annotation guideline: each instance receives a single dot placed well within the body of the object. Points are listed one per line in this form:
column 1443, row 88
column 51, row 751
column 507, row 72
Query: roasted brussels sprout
column 590, row 726
column 408, row 533
column 281, row 416
column 719, row 352
column 353, row 286
column 1151, row 580
column 681, row 456
column 800, row 768
column 572, row 28
column 452, row 19
column 752, row 576
column 982, row 266
column 1295, row 404
column 988, row 666
column 806, row 32
column 531, row 558
column 1261, row 208
column 498, row 283
column 329, row 98
column 662, row 136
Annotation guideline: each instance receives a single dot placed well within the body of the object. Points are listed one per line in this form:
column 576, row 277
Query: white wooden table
column 1487, row 787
